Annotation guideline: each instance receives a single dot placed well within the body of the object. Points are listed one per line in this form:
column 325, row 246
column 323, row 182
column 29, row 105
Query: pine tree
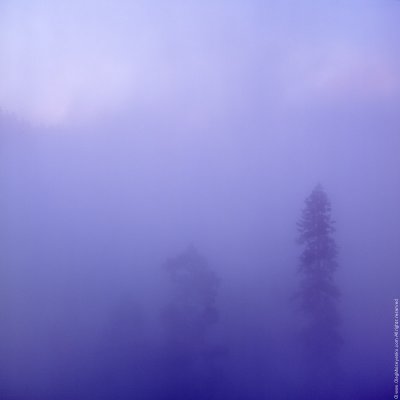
column 318, row 292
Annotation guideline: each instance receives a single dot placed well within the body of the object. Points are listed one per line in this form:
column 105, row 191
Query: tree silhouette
column 318, row 293
column 191, row 312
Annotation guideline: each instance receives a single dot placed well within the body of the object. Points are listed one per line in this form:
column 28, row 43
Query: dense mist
column 191, row 213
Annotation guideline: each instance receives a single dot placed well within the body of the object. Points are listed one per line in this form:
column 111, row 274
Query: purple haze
column 140, row 139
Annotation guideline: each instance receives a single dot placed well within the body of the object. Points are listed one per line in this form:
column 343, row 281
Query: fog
column 154, row 166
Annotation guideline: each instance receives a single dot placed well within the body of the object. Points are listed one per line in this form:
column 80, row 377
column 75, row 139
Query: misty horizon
column 199, row 200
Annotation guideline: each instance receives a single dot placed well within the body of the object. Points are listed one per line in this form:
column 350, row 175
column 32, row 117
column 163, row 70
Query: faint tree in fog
column 191, row 312
column 318, row 292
